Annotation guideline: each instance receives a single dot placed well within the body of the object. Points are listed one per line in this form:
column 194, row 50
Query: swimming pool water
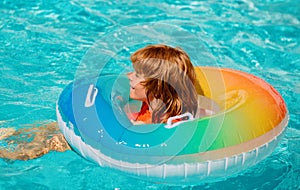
column 43, row 43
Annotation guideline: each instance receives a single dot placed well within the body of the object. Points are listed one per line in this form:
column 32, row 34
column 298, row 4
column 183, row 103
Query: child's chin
column 132, row 97
column 135, row 98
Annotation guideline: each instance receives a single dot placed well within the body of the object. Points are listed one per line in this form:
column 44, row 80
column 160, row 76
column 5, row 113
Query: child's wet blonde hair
column 169, row 77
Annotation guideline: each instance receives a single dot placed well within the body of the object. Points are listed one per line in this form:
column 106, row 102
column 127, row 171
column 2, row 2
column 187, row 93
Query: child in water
column 164, row 80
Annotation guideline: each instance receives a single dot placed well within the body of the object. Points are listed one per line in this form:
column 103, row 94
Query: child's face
column 137, row 91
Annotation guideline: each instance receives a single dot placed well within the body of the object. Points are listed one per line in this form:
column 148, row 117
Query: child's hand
column 6, row 132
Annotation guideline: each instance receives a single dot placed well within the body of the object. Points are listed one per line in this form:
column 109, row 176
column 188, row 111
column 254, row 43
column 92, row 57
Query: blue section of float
column 105, row 126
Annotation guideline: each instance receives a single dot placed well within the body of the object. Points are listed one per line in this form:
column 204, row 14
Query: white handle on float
column 91, row 96
column 170, row 121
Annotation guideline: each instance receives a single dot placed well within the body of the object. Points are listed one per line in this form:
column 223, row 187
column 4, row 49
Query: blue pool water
column 43, row 44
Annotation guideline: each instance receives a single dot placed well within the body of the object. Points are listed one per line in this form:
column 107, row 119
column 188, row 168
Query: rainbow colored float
column 247, row 128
